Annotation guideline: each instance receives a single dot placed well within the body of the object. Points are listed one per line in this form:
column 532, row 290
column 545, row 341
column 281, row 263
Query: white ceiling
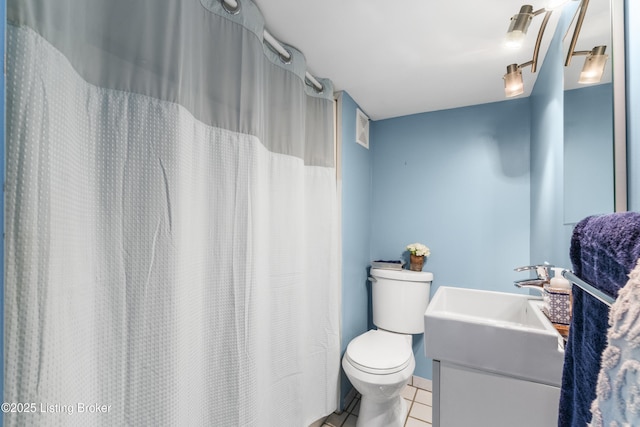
column 400, row 58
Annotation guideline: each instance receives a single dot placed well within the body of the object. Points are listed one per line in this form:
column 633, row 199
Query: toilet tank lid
column 406, row 275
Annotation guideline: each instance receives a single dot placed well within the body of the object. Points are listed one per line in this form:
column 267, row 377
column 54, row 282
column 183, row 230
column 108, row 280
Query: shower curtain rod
column 233, row 4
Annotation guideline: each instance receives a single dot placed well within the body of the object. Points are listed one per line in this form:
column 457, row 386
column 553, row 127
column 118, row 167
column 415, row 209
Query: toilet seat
column 379, row 352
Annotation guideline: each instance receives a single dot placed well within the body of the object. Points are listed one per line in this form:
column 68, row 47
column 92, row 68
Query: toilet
column 380, row 362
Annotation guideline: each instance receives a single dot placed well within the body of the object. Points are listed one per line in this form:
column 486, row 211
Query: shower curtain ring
column 230, row 9
column 285, row 60
column 318, row 90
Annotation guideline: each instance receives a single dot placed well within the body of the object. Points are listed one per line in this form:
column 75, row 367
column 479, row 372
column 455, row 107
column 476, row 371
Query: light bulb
column 555, row 4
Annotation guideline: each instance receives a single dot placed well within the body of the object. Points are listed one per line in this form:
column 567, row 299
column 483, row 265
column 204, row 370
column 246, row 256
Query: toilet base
column 389, row 413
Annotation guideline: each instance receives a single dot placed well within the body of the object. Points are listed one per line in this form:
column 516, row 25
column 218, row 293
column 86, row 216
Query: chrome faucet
column 543, row 273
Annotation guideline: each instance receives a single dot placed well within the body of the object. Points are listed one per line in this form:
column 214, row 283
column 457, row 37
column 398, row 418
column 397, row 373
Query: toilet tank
column 400, row 298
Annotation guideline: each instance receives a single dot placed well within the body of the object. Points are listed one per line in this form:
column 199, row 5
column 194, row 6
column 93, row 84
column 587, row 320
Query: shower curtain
column 171, row 220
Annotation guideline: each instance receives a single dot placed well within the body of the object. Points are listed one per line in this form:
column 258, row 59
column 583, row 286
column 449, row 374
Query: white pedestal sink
column 497, row 359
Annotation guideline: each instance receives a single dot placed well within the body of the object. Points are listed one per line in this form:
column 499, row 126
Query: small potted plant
column 418, row 253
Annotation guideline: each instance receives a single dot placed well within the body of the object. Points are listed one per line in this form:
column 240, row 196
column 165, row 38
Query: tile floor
column 419, row 403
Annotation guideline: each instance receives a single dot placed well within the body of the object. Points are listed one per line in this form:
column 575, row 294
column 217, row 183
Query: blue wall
column 633, row 101
column 458, row 181
column 356, row 228
column 588, row 153
column 550, row 238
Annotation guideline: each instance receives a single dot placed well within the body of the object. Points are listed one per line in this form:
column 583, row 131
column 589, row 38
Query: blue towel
column 604, row 250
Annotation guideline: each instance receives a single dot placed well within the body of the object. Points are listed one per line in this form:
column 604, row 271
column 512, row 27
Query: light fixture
column 518, row 27
column 593, row 67
column 513, row 82
column 594, row 64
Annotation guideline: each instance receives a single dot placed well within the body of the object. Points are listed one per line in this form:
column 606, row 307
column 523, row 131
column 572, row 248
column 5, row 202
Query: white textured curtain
column 171, row 224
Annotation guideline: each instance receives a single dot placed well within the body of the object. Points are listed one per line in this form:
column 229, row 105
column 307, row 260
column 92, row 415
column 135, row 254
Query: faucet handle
column 542, row 270
column 524, row 268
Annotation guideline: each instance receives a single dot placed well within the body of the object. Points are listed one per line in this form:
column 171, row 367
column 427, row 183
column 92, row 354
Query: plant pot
column 417, row 262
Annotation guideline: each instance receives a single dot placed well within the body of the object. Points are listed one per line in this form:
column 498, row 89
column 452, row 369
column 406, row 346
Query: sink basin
column 494, row 331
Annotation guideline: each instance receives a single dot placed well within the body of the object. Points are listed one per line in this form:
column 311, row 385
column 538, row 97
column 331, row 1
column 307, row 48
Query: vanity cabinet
column 464, row 397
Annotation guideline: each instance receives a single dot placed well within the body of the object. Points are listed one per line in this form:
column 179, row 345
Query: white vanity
column 497, row 359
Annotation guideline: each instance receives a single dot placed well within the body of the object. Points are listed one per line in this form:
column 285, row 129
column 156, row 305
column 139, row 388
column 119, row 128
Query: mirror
column 619, row 103
column 589, row 184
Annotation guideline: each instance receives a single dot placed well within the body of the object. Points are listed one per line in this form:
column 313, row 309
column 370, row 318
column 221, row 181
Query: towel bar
column 598, row 294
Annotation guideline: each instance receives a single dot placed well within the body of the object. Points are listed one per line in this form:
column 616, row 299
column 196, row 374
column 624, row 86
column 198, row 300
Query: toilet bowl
column 380, row 362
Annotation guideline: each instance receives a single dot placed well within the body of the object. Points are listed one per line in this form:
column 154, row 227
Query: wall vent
column 362, row 129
